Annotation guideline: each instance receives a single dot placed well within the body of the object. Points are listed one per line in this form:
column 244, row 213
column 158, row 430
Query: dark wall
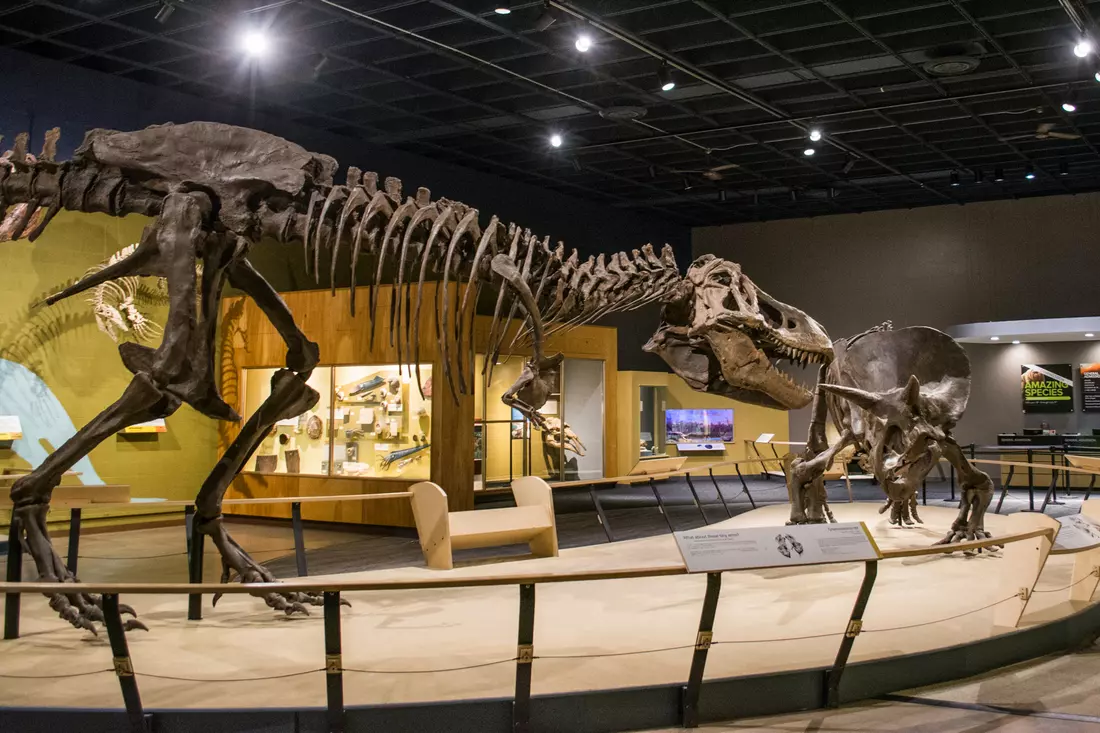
column 40, row 94
column 937, row 266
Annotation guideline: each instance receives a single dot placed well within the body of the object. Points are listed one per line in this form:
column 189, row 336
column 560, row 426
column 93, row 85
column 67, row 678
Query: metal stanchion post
column 855, row 625
column 124, row 666
column 525, row 657
column 299, row 539
column 604, row 522
column 74, row 539
column 744, row 485
column 716, row 488
column 1030, row 483
column 334, row 663
column 194, row 570
column 690, row 701
column 14, row 575
column 695, row 498
column 661, row 504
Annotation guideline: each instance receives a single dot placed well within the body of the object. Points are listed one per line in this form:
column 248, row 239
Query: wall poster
column 1090, row 387
column 1047, row 387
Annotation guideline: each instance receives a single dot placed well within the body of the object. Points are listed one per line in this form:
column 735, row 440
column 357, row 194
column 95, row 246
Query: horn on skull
column 867, row 400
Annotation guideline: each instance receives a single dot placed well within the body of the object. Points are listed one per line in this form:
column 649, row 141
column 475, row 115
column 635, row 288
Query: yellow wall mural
column 73, row 370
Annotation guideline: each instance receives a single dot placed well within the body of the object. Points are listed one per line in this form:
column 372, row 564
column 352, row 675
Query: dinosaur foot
column 82, row 610
column 968, row 533
column 236, row 561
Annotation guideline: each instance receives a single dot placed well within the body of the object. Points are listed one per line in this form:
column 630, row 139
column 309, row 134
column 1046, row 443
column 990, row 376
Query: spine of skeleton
column 412, row 241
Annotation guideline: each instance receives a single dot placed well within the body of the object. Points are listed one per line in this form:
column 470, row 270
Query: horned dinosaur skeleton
column 214, row 190
column 895, row 396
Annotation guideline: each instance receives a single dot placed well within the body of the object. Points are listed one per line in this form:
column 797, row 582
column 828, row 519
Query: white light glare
column 1083, row 48
column 254, row 43
column 668, row 86
column 808, row 151
column 584, row 42
column 555, row 140
column 502, row 10
column 1089, row 335
column 1015, row 341
column 1069, row 106
column 1096, row 76
column 815, row 134
column 994, row 338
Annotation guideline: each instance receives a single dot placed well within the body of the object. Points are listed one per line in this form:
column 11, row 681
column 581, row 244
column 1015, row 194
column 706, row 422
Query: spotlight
column 722, row 194
column 583, row 43
column 686, row 184
column 998, row 174
column 547, row 19
column 1015, row 341
column 954, row 178
column 577, row 166
column 1083, row 48
column 1069, row 104
column 320, row 65
column 555, row 140
column 1096, row 76
column 1029, row 172
column 165, row 11
column 254, row 43
column 1063, row 167
column 815, row 134
column 664, row 77
column 849, row 164
column 652, row 171
column 994, row 338
column 808, row 151
column 979, row 176
column 502, row 9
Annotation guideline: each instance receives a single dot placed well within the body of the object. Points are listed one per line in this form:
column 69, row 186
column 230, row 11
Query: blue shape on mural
column 24, row 394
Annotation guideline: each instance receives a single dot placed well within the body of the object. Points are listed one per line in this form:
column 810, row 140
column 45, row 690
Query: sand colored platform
column 395, row 635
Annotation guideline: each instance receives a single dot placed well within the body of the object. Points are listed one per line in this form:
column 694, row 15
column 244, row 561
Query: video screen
column 698, row 426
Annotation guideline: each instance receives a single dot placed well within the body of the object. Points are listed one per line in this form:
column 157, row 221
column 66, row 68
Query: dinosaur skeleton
column 895, row 396
column 214, row 190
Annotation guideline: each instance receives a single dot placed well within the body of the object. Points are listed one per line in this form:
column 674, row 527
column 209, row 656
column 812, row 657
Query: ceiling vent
column 953, row 60
column 624, row 110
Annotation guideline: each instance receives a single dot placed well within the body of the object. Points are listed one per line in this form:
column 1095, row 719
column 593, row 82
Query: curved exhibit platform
column 609, row 654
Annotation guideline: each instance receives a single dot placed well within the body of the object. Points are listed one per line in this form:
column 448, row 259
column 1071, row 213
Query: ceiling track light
column 664, row 77
column 502, row 9
column 998, row 174
column 583, row 42
column 164, row 12
column 722, row 195
column 1083, row 48
column 849, row 164
column 1029, row 172
column 808, row 152
column 652, row 171
column 555, row 140
column 577, row 166
column 686, row 184
column 1063, row 167
column 954, row 178
column 320, row 65
column 979, row 175
column 547, row 19
column 1096, row 72
column 1069, row 104
column 815, row 134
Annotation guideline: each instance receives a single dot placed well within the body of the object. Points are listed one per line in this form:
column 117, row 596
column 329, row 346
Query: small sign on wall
column 1046, row 387
column 1090, row 387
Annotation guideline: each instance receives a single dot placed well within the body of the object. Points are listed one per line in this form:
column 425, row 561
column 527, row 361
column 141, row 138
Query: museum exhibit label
column 714, row 550
column 1047, row 387
column 1090, row 387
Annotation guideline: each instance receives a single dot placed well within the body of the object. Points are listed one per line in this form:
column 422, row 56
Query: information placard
column 765, row 437
column 1077, row 531
column 1047, row 387
column 1090, row 387
column 713, row 549
column 10, row 427
column 153, row 426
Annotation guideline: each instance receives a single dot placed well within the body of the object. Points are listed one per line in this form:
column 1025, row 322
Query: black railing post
column 604, row 522
column 525, row 657
column 690, row 702
column 1004, row 489
column 299, row 539
column 14, row 575
column 695, row 496
column 855, row 625
column 194, row 570
column 744, row 486
column 124, row 666
column 74, row 539
column 1030, row 483
column 188, row 523
column 719, row 490
column 661, row 504
column 334, row 663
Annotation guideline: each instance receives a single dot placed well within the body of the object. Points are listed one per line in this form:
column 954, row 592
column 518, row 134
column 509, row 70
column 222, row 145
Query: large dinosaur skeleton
column 895, row 396
column 214, row 190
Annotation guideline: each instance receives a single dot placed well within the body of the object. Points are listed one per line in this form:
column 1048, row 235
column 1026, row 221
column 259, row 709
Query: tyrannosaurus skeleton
column 214, row 190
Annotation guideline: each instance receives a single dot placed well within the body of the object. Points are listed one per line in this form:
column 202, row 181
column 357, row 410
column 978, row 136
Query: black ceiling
column 452, row 80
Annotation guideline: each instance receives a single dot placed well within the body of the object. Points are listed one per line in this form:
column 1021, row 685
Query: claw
column 132, row 623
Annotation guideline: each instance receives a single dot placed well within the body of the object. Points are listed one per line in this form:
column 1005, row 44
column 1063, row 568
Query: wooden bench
column 441, row 531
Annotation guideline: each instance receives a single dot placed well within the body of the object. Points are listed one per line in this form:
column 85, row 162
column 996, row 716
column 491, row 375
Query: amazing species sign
column 1047, row 387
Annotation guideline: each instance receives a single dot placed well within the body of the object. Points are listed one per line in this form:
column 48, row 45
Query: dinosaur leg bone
column 143, row 400
column 977, row 492
column 302, row 354
column 806, row 482
column 290, row 396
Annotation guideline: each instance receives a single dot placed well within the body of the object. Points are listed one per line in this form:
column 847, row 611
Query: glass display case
column 371, row 421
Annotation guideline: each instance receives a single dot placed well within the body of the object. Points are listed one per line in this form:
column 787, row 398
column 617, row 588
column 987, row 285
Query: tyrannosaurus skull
column 722, row 334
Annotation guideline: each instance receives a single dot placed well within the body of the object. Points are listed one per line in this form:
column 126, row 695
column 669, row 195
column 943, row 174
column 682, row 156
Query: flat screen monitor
column 696, row 426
